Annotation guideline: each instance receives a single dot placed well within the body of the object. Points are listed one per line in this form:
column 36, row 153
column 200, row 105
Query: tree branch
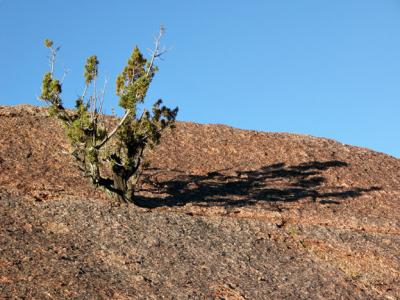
column 156, row 52
column 84, row 92
column 53, row 59
column 64, row 75
column 101, row 97
column 110, row 135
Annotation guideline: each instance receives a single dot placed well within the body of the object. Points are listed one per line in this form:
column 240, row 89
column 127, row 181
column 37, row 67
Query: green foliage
column 121, row 149
column 48, row 43
column 91, row 69
column 133, row 83
column 51, row 89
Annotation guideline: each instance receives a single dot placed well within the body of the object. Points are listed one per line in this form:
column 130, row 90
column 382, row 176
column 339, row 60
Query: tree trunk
column 120, row 182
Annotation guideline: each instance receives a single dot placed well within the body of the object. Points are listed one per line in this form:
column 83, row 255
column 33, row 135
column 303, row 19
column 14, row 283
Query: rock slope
column 222, row 213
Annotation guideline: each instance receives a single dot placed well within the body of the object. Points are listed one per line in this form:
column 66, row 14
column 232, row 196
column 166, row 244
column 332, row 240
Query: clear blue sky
column 319, row 67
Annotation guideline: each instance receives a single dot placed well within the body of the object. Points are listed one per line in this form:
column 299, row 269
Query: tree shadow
column 274, row 183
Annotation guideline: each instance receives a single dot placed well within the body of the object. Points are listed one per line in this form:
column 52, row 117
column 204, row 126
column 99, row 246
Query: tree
column 118, row 152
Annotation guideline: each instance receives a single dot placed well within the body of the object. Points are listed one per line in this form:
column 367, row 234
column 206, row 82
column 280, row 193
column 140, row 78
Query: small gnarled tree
column 119, row 150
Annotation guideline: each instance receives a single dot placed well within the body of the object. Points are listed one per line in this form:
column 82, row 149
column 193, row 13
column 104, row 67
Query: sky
column 318, row 67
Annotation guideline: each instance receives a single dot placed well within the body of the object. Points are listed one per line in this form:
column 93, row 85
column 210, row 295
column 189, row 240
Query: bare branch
column 156, row 53
column 110, row 135
column 101, row 97
column 64, row 75
column 53, row 59
column 84, row 92
column 94, row 103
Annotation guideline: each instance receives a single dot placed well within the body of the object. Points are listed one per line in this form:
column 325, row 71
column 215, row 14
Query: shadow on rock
column 274, row 183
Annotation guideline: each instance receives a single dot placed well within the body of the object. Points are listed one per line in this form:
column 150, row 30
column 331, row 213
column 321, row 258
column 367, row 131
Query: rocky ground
column 222, row 213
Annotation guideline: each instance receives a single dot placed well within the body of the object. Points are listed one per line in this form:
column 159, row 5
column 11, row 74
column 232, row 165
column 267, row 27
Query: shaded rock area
column 222, row 213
